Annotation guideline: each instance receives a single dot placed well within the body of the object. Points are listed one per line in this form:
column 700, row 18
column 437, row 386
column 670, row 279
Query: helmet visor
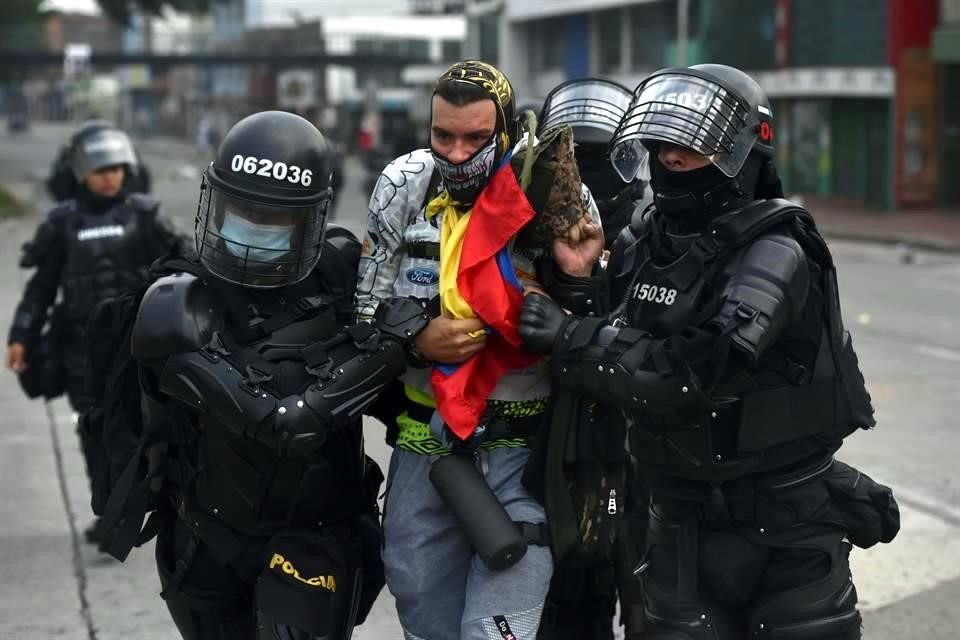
column 257, row 245
column 687, row 110
column 589, row 104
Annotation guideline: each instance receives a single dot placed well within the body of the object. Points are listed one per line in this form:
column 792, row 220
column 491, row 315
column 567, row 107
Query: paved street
column 903, row 313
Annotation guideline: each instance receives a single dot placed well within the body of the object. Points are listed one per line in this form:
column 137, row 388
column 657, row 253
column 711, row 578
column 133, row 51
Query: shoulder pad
column 741, row 227
column 339, row 259
column 62, row 210
column 179, row 313
column 344, row 243
column 143, row 202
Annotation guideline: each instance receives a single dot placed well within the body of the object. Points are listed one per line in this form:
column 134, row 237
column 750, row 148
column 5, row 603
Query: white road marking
column 939, row 285
column 938, row 352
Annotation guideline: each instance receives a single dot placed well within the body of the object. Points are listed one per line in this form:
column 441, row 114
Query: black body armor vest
column 805, row 392
column 246, row 379
column 107, row 254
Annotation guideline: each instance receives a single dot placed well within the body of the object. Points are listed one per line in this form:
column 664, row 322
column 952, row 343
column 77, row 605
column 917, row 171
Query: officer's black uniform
column 265, row 504
column 581, row 603
column 729, row 357
column 89, row 248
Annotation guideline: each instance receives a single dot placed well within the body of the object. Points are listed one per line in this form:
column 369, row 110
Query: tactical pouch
column 865, row 509
column 828, row 492
column 45, row 375
column 311, row 582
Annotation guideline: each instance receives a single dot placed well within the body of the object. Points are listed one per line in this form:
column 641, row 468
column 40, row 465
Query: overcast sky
column 274, row 10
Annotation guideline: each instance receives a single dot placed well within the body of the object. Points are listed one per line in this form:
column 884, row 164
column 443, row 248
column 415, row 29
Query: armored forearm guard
column 624, row 366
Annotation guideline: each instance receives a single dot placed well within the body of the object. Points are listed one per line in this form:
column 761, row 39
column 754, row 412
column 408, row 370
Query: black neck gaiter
column 98, row 205
column 690, row 199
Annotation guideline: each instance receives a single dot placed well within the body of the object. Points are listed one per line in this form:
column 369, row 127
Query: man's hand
column 448, row 341
column 17, row 357
column 577, row 252
column 541, row 321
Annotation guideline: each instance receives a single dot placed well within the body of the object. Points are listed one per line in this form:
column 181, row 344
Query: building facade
column 857, row 107
column 946, row 58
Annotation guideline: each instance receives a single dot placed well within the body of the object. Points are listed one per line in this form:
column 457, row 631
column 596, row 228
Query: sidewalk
column 928, row 228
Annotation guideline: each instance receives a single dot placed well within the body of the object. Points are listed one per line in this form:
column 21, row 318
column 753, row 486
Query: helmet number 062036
column 271, row 169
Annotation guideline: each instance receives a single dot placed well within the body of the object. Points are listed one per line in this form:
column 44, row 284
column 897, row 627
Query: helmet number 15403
column 271, row 169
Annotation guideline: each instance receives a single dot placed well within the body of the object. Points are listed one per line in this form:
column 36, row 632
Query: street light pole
column 683, row 25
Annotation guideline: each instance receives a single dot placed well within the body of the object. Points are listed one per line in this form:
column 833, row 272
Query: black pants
column 210, row 600
column 721, row 574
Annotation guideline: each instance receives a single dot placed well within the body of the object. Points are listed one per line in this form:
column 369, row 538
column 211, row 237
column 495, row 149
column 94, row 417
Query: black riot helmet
column 98, row 144
column 263, row 201
column 593, row 107
column 62, row 184
column 712, row 109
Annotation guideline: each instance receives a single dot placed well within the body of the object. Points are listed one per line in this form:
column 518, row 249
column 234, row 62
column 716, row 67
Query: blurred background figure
column 62, row 183
column 95, row 245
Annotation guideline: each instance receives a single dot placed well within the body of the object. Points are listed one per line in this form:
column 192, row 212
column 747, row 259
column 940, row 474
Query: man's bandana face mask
column 260, row 242
column 465, row 180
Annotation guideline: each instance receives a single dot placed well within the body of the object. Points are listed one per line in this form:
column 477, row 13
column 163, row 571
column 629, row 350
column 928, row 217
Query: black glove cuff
column 582, row 296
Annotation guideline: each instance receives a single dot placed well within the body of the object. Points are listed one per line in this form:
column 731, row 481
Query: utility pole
column 683, row 25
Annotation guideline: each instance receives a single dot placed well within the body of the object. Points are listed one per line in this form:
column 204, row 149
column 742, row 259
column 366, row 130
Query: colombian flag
column 477, row 279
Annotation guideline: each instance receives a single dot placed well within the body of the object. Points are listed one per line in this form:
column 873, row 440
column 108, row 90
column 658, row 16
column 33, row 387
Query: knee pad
column 668, row 617
column 823, row 610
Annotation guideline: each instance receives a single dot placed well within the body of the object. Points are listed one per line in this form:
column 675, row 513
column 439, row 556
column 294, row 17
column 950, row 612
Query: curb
column 907, row 241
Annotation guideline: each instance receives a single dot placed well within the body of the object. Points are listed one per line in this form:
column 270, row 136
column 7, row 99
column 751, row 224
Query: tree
column 120, row 10
column 20, row 22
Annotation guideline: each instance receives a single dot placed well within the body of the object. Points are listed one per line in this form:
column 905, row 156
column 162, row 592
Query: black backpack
column 111, row 430
column 578, row 469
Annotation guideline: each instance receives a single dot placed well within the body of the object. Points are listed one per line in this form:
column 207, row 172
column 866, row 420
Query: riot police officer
column 594, row 107
column 90, row 247
column 62, row 183
column 582, row 601
column 93, row 246
column 252, row 390
column 729, row 358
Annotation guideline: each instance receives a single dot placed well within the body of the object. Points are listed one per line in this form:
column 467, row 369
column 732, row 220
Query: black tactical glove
column 542, row 321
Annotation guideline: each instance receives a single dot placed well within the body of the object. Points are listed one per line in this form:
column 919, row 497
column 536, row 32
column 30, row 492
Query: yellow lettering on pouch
column 324, row 582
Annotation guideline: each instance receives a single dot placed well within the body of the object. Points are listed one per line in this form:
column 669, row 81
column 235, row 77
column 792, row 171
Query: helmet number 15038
column 653, row 293
column 271, row 169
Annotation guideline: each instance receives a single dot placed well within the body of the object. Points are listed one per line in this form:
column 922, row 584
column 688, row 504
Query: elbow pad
column 767, row 292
